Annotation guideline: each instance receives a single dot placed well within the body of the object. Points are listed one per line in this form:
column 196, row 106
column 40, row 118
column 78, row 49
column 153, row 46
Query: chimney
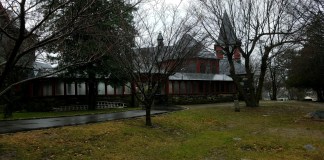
column 160, row 40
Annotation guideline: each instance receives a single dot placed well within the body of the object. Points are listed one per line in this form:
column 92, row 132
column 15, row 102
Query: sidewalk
column 34, row 124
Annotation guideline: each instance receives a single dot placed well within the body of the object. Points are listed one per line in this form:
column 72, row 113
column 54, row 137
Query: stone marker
column 309, row 147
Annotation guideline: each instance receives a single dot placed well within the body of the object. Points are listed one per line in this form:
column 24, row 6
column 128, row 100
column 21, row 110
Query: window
column 217, row 86
column 110, row 90
column 176, row 87
column 194, row 86
column 212, row 87
column 202, row 68
column 182, row 87
column 101, row 88
column 59, row 88
column 170, row 88
column 47, row 89
column 119, row 90
column 81, row 87
column 70, row 88
column 127, row 88
column 208, row 68
column 201, row 87
column 189, row 87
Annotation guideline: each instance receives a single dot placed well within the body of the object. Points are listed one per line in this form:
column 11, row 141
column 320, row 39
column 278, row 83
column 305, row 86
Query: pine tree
column 111, row 33
column 307, row 69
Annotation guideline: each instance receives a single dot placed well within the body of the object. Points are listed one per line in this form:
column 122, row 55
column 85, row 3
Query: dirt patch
column 8, row 155
column 261, row 148
column 296, row 132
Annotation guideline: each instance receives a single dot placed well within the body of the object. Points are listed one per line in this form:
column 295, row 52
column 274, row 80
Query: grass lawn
column 277, row 130
column 31, row 115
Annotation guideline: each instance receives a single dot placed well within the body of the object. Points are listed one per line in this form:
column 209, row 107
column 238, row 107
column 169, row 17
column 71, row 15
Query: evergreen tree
column 307, row 69
column 111, row 33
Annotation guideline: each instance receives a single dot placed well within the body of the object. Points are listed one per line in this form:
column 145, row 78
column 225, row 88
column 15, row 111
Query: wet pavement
column 34, row 124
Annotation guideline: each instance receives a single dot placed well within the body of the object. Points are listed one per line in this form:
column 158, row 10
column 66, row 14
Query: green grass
column 277, row 130
column 31, row 115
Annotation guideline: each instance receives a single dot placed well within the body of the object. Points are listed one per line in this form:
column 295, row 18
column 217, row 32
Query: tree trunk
column 263, row 70
column 273, row 76
column 251, row 101
column 247, row 89
column 148, row 120
column 274, row 91
column 92, row 95
column 7, row 110
column 133, row 92
column 148, row 105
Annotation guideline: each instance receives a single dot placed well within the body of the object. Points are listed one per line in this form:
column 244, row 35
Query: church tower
column 227, row 37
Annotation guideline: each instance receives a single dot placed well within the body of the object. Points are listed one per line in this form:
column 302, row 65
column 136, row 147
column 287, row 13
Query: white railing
column 100, row 105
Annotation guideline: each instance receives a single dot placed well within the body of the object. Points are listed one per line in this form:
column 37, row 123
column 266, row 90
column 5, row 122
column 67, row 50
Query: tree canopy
column 111, row 33
column 307, row 68
column 96, row 42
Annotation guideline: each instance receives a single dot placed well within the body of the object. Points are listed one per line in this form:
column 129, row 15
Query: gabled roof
column 41, row 68
column 186, row 44
column 205, row 53
column 191, row 43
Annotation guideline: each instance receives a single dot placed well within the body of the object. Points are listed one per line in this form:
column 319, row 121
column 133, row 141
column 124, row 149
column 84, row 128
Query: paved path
column 34, row 124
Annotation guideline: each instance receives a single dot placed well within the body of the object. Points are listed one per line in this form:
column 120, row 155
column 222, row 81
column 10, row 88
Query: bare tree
column 255, row 28
column 26, row 25
column 29, row 26
column 164, row 41
column 277, row 73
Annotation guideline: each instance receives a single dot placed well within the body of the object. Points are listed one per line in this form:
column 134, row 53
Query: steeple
column 227, row 37
column 226, row 34
column 160, row 40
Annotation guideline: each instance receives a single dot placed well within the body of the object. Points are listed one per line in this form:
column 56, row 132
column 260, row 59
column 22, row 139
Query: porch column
column 53, row 87
column 179, row 86
column 106, row 88
column 172, row 87
column 30, row 89
column 64, row 83
column 193, row 87
column 75, row 88
column 186, row 83
column 204, row 87
column 41, row 86
column 86, row 88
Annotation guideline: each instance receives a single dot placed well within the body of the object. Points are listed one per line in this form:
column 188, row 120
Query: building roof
column 200, row 77
column 185, row 45
column 205, row 53
column 41, row 68
column 224, row 67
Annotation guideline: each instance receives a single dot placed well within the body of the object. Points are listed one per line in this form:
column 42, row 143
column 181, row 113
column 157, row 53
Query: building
column 203, row 78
